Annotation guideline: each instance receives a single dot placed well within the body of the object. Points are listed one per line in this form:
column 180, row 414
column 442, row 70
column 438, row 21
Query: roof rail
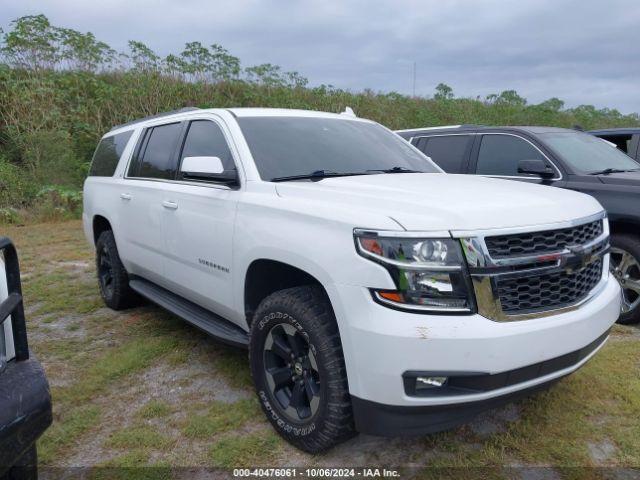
column 157, row 115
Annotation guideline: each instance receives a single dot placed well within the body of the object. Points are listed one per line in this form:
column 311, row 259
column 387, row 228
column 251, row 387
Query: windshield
column 588, row 154
column 290, row 146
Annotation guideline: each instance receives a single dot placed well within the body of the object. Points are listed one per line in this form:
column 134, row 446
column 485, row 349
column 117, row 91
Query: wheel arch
column 624, row 226
column 99, row 224
column 265, row 276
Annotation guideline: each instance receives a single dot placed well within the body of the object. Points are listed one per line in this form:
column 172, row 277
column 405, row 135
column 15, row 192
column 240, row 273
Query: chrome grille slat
column 520, row 273
column 537, row 243
column 552, row 290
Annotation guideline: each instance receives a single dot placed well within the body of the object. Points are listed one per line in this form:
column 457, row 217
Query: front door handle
column 125, row 196
column 170, row 205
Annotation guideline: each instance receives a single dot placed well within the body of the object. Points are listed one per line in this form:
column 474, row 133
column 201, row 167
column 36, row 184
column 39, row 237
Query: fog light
column 430, row 382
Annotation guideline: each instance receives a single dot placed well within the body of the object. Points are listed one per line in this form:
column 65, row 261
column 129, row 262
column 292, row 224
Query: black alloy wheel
column 292, row 373
column 105, row 272
column 112, row 276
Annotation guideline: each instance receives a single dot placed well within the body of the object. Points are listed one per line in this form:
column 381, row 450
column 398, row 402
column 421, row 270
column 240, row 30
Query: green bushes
column 55, row 202
column 61, row 90
column 16, row 187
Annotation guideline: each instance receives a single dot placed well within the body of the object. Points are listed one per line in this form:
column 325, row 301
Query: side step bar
column 197, row 316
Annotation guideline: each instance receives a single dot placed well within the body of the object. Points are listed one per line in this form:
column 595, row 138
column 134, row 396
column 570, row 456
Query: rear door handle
column 170, row 205
column 125, row 196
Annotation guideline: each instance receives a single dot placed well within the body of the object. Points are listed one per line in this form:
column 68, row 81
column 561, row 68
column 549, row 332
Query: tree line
column 61, row 90
column 34, row 44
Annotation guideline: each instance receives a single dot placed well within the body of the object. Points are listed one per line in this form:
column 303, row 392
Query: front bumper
column 381, row 345
column 391, row 421
column 25, row 409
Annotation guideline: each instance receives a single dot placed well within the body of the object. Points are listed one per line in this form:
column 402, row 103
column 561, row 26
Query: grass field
column 141, row 388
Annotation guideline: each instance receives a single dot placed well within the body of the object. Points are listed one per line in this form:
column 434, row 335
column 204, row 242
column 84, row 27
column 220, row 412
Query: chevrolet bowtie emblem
column 579, row 258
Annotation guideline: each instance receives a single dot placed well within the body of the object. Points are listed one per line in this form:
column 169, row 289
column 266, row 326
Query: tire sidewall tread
column 308, row 309
column 122, row 297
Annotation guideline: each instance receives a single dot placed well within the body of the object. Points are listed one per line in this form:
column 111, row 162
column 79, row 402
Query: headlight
column 429, row 273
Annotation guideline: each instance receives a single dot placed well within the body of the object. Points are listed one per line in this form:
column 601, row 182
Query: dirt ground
column 140, row 388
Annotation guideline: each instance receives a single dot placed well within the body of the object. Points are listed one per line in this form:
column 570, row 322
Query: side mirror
column 536, row 167
column 207, row 168
column 201, row 167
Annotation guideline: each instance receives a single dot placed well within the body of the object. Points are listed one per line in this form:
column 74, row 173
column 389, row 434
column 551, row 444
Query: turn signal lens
column 393, row 296
column 372, row 245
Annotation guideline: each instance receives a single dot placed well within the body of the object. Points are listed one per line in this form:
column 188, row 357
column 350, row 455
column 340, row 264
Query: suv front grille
column 547, row 291
column 525, row 275
column 537, row 243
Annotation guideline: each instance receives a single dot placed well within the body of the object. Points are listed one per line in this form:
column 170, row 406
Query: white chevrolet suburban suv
column 375, row 293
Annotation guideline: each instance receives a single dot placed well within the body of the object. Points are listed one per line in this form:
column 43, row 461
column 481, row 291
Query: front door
column 498, row 155
column 198, row 226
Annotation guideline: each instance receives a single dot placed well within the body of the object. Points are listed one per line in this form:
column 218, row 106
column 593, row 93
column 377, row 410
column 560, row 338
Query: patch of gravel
column 367, row 450
column 170, row 383
column 58, row 373
column 31, row 307
column 163, row 382
column 74, row 266
column 622, row 473
column 494, row 421
column 532, row 472
column 624, row 332
column 600, row 420
column 602, row 451
column 61, row 327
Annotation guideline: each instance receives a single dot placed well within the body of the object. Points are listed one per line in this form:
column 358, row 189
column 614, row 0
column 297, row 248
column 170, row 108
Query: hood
column 630, row 179
column 438, row 201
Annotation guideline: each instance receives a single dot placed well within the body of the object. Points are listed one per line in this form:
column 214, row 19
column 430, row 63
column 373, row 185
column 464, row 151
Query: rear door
column 498, row 155
column 450, row 152
column 140, row 214
column 198, row 222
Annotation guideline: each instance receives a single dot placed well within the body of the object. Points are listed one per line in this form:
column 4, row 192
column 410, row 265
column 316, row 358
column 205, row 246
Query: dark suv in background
column 558, row 157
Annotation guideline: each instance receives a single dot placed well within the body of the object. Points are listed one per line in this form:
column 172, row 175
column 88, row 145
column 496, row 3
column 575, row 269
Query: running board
column 213, row 324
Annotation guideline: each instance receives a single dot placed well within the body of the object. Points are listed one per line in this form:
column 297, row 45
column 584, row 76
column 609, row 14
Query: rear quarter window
column 107, row 155
column 450, row 152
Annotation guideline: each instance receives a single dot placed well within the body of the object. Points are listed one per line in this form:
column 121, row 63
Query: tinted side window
column 449, row 152
column 205, row 139
column 158, row 159
column 108, row 153
column 500, row 154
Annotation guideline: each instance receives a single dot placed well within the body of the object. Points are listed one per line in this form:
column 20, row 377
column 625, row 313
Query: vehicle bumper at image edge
column 26, row 409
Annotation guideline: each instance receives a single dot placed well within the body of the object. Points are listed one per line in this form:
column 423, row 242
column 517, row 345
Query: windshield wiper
column 317, row 175
column 395, row 170
column 607, row 171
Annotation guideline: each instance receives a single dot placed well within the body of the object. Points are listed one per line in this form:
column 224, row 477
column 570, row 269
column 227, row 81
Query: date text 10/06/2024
column 317, row 472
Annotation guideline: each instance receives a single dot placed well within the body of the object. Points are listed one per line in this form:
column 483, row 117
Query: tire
column 112, row 276
column 300, row 321
column 625, row 266
column 26, row 468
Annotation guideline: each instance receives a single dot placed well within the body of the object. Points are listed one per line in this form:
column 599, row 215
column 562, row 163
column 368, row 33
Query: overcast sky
column 582, row 51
